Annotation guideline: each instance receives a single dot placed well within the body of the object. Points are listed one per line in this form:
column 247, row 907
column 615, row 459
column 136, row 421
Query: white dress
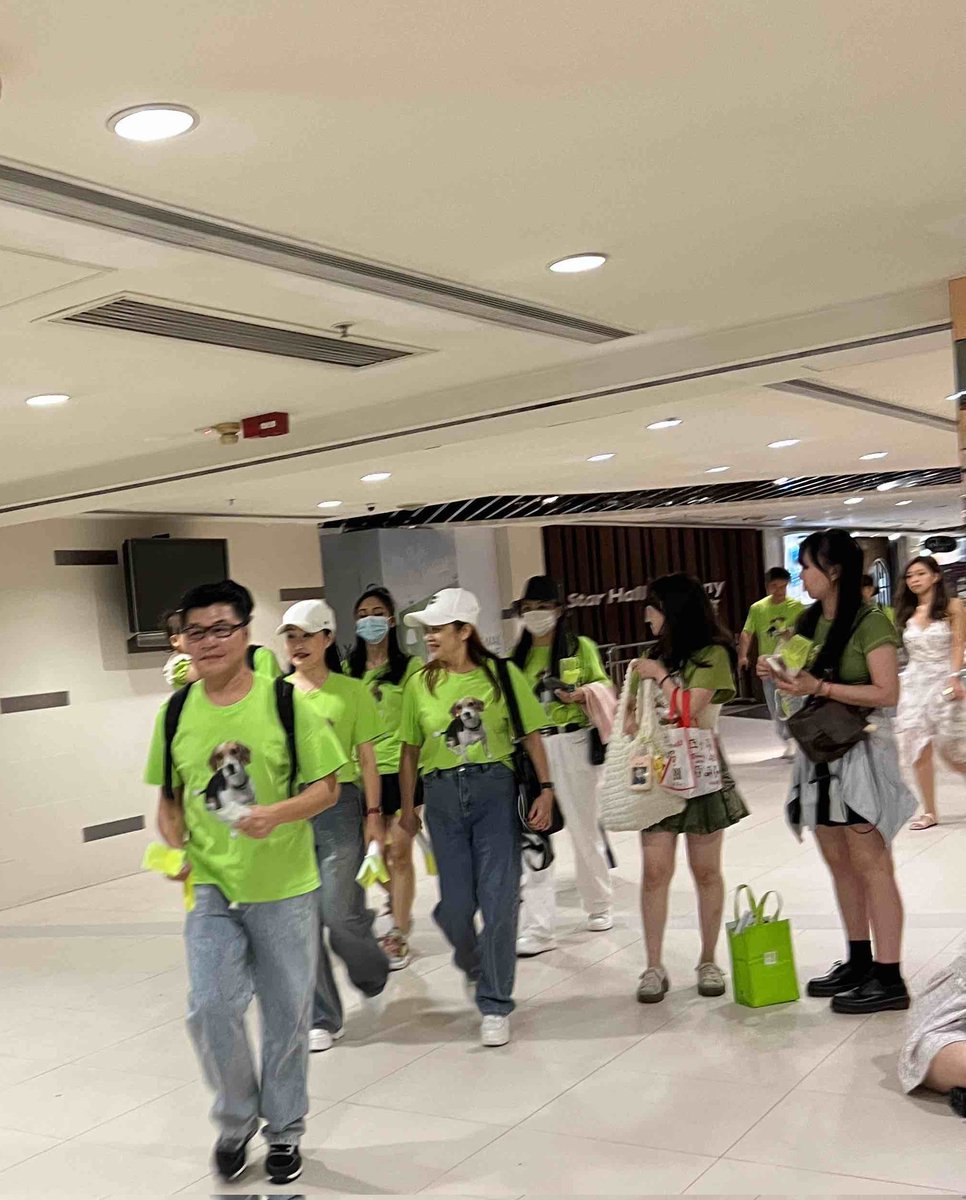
column 922, row 684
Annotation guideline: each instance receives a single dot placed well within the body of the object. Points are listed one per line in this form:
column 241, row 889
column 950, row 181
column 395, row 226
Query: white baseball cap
column 447, row 606
column 311, row 616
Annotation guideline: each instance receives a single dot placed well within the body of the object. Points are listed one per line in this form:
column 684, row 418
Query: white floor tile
column 16, row 1146
column 728, row 1177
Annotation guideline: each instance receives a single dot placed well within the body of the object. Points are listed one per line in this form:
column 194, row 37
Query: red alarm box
column 274, row 424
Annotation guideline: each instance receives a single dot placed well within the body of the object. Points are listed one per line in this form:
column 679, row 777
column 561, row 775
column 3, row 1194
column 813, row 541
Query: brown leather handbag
column 826, row 730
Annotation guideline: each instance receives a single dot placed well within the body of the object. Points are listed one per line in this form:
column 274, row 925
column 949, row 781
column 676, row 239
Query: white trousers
column 575, row 780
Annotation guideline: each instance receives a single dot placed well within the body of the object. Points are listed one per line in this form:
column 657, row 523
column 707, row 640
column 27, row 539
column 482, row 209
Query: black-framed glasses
column 222, row 630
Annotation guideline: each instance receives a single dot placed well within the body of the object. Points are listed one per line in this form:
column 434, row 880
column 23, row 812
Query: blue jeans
column 471, row 813
column 340, row 848
column 235, row 952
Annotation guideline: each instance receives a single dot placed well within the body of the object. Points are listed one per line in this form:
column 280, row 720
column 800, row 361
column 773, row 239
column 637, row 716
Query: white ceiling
column 813, row 196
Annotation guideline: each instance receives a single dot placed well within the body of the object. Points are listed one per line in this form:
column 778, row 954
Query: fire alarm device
column 274, row 424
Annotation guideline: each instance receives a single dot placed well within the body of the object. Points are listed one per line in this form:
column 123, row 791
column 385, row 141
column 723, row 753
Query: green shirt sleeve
column 715, row 677
column 410, row 731
column 367, row 726
column 750, row 625
column 154, row 769
column 318, row 749
column 532, row 716
column 874, row 631
column 266, row 664
column 591, row 667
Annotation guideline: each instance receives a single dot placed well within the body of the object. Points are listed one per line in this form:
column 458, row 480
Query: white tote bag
column 692, row 767
column 630, row 797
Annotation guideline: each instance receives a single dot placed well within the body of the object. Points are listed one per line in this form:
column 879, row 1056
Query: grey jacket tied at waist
column 867, row 779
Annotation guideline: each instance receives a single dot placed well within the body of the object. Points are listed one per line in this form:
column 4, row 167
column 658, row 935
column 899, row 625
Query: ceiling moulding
column 686, row 501
column 847, row 399
column 76, row 200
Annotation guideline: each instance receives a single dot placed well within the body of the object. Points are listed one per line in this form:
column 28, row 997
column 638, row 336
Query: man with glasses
column 253, row 930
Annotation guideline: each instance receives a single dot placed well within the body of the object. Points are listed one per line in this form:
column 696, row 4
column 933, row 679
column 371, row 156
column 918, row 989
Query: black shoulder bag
column 826, row 730
column 536, row 843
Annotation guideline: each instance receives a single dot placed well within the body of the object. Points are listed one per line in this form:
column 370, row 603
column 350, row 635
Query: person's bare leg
column 658, row 853
column 872, row 863
column 704, row 859
column 948, row 1069
column 849, row 888
column 402, row 877
column 926, row 781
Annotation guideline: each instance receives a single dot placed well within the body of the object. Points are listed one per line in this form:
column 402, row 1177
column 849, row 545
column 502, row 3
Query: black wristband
column 546, row 783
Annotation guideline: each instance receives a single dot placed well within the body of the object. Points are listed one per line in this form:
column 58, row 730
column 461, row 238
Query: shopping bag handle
column 681, row 707
column 752, row 904
column 760, row 910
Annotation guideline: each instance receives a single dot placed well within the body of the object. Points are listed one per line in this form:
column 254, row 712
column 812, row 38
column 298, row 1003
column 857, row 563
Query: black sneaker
column 284, row 1163
column 957, row 1101
column 231, row 1160
column 841, row 978
column 871, row 997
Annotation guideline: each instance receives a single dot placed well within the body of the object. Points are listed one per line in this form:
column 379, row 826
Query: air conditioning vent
column 181, row 324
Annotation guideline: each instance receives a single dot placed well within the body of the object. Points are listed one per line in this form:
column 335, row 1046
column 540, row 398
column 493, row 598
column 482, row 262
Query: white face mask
column 539, row 622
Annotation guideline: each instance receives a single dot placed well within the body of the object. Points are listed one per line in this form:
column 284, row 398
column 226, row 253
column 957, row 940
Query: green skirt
column 707, row 814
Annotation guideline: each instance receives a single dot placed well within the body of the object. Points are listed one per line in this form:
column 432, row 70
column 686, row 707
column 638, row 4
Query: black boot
column 957, row 1101
column 843, row 977
column 871, row 997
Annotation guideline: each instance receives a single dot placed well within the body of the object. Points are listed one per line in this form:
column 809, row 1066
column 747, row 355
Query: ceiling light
column 854, row 500
column 956, row 396
column 549, row 499
column 716, row 470
column 874, row 455
column 784, row 443
column 889, row 485
column 791, row 517
column 902, row 503
column 600, row 457
column 573, row 264
column 377, row 477
column 784, row 479
column 667, row 423
column 152, row 122
column 47, row 401
column 329, row 504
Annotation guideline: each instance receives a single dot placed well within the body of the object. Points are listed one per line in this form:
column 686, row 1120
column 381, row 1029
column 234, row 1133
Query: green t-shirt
column 388, row 698
column 347, row 705
column 872, row 630
column 717, row 676
column 464, row 721
column 767, row 620
column 591, row 671
column 246, row 870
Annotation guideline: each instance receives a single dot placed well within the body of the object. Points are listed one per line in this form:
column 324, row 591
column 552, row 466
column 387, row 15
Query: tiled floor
column 597, row 1095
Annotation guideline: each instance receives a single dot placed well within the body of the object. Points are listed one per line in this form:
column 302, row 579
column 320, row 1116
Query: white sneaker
column 600, row 922
column 653, row 986
column 529, row 946
column 495, row 1031
column 324, row 1039
column 711, row 980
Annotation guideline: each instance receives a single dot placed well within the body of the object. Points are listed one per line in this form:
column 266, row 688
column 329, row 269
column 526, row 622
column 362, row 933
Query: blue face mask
column 372, row 629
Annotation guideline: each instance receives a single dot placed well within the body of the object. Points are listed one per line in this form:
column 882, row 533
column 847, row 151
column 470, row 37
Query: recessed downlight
column 716, row 470
column 873, row 455
column 889, row 485
column 574, row 264
column 600, row 457
column 667, row 423
column 549, row 499
column 152, row 122
column 47, row 401
column 784, row 479
column 377, row 477
column 783, row 443
column 854, row 500
column 902, row 503
column 329, row 504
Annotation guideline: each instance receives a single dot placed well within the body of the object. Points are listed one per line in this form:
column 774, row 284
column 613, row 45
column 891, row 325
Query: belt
column 553, row 730
column 465, row 769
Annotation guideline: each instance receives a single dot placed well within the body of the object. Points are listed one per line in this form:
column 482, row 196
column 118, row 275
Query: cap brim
column 413, row 620
column 295, row 625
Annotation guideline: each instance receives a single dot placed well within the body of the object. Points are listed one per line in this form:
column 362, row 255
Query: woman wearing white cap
column 456, row 729
column 342, row 832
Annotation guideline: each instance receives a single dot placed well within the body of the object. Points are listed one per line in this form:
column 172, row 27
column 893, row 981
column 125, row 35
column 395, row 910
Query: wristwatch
column 546, row 784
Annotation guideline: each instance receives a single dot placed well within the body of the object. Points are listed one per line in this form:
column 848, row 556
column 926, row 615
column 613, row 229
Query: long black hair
column 828, row 549
column 690, row 622
column 398, row 661
column 564, row 645
column 908, row 600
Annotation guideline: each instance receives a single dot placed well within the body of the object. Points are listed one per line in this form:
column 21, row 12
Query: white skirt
column 937, row 1019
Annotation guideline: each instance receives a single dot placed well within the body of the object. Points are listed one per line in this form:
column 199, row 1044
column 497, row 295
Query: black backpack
column 284, row 704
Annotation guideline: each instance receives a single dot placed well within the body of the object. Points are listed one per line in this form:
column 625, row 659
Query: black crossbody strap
column 285, row 703
column 172, row 715
column 506, row 685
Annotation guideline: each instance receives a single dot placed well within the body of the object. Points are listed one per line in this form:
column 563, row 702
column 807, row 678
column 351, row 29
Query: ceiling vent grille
column 183, row 325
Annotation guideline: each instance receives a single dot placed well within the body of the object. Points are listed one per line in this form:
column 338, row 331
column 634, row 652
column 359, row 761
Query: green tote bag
column 762, row 960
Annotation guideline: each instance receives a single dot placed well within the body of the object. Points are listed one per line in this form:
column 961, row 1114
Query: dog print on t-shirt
column 466, row 728
column 230, row 793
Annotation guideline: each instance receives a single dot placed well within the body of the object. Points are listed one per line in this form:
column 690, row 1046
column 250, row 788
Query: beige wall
column 66, row 629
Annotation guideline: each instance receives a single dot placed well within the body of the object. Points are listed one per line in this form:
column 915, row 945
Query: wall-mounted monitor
column 158, row 572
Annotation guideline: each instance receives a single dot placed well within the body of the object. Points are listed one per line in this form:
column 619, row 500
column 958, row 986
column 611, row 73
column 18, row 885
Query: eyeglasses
column 222, row 631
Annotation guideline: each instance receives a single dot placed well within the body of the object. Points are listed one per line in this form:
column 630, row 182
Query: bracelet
column 373, row 812
column 546, row 784
column 665, row 679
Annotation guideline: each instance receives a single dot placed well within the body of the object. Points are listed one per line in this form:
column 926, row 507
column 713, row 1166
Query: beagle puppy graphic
column 229, row 793
column 466, row 728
